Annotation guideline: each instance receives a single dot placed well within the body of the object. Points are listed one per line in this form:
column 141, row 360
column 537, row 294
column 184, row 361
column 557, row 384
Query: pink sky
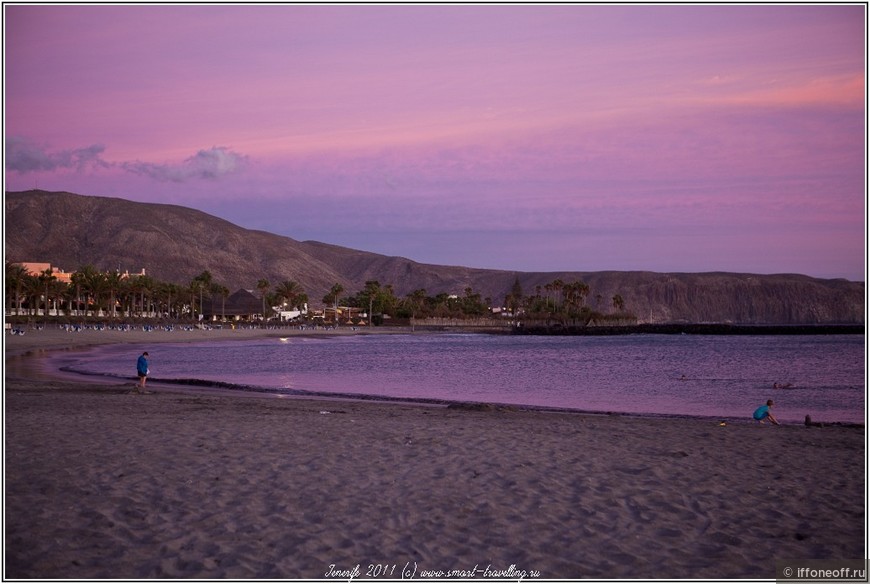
column 534, row 138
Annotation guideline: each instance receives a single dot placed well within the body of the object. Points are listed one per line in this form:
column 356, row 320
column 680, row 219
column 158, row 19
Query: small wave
column 173, row 381
column 210, row 383
column 70, row 369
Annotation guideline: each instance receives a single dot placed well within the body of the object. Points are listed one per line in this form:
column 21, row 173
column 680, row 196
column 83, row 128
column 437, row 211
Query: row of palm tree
column 113, row 294
column 566, row 302
column 560, row 297
column 380, row 300
column 94, row 292
column 91, row 291
column 557, row 299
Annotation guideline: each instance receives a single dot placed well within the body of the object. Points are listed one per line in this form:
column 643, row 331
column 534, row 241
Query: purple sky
column 534, row 138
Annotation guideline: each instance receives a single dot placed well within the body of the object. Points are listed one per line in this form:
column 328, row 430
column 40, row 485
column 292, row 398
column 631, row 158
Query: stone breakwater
column 690, row 329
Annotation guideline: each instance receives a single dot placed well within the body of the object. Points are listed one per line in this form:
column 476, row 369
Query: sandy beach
column 104, row 483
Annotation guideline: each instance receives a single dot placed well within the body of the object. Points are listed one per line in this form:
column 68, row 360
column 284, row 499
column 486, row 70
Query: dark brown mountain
column 176, row 243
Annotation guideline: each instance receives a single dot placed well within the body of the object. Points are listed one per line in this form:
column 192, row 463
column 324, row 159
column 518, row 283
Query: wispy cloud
column 25, row 156
column 205, row 164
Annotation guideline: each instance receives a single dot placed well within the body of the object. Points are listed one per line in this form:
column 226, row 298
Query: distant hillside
column 176, row 243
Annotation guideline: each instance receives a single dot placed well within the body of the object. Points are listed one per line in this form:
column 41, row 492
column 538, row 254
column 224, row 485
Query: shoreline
column 30, row 355
column 53, row 336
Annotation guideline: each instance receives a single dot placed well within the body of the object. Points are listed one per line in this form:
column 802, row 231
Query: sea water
column 682, row 375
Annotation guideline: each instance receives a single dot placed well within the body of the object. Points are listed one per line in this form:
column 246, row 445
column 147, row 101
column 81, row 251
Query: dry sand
column 103, row 483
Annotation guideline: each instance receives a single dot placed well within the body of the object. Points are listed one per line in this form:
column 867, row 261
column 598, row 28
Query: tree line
column 565, row 301
column 116, row 295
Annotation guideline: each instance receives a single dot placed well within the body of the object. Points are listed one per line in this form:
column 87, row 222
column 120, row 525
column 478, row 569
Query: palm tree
column 515, row 298
column 16, row 275
column 127, row 291
column 263, row 287
column 96, row 284
column 225, row 293
column 557, row 285
column 618, row 302
column 194, row 287
column 290, row 292
column 69, row 297
column 202, row 283
column 45, row 279
column 113, row 284
column 332, row 297
column 78, row 281
column 415, row 301
column 57, row 291
column 302, row 301
column 388, row 299
column 32, row 292
column 374, row 296
column 171, row 291
column 142, row 286
column 149, row 286
column 83, row 280
column 581, row 288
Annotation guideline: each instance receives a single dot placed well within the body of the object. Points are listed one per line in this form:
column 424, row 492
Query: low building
column 39, row 268
column 348, row 315
column 240, row 305
column 283, row 314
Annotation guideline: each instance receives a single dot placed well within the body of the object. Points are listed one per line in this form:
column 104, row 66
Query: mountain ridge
column 175, row 243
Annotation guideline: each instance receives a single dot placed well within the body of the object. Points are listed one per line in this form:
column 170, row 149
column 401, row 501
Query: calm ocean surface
column 725, row 376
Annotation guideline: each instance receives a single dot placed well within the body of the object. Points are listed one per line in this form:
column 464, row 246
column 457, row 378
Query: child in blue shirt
column 142, row 370
column 763, row 412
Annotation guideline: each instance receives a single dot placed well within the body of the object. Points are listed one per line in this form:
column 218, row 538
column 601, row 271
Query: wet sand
column 104, row 483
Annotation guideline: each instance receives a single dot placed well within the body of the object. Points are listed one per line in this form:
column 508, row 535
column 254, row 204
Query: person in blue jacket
column 142, row 370
column 763, row 413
